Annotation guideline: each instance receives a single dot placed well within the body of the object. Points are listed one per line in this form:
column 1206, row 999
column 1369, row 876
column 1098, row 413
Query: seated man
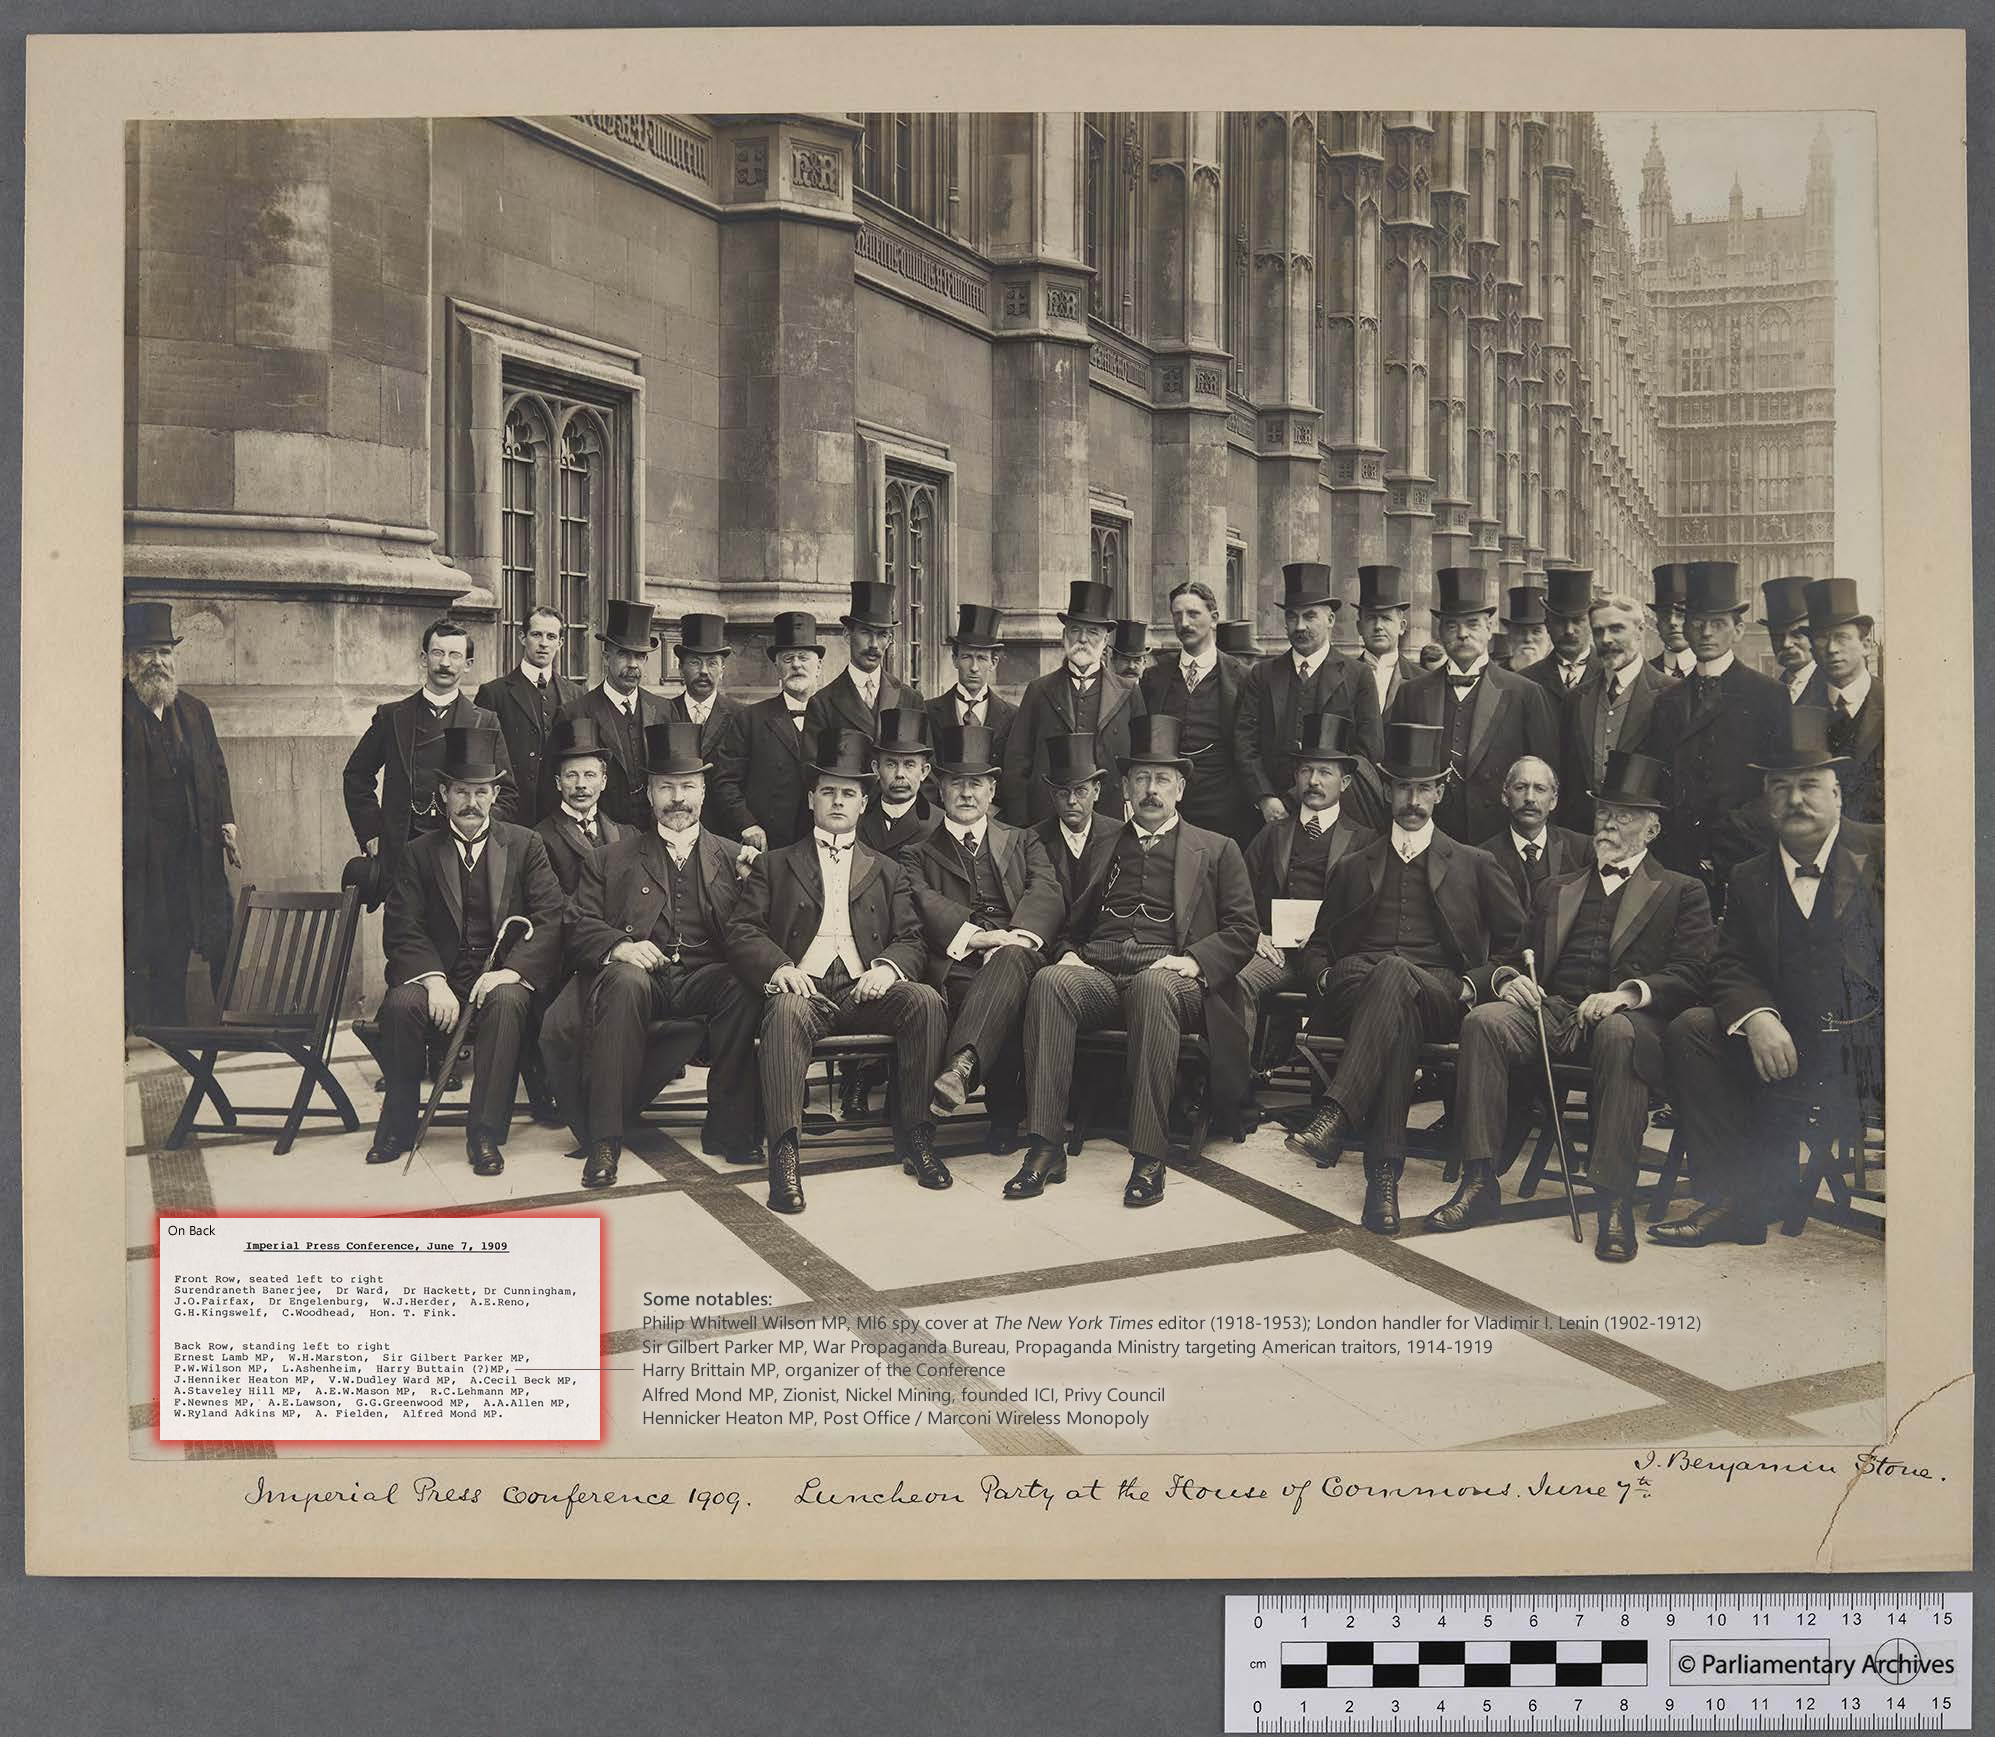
column 1796, row 1014
column 1409, row 932
column 1620, row 951
column 899, row 815
column 647, row 932
column 1155, row 941
column 990, row 906
column 452, row 893
column 1530, row 849
column 1077, row 837
column 829, row 932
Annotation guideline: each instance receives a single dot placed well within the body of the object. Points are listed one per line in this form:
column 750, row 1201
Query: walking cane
column 450, row 1055
column 1552, row 1102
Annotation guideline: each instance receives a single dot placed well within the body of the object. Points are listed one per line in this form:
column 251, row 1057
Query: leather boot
column 1323, row 1139
column 1712, row 1221
column 1044, row 1163
column 1616, row 1241
column 918, row 1157
column 855, row 1096
column 1382, row 1172
column 600, row 1170
column 1146, row 1183
column 953, row 1084
column 1475, row 1200
column 786, row 1185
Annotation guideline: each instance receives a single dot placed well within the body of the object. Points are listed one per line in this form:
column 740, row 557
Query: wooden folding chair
column 280, row 994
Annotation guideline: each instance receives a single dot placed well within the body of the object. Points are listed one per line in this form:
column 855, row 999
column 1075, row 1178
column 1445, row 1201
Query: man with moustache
column 975, row 649
column 647, row 940
column 1489, row 717
column 1621, row 947
column 180, row 827
column 1076, row 835
column 1129, row 649
column 1155, row 941
column 1786, row 624
column 1410, row 930
column 1569, row 665
column 1795, row 1019
column 1676, row 659
column 1199, row 685
column 855, row 697
column 1383, row 611
column 622, row 710
column 703, row 651
column 990, row 907
column 1529, row 848
column 402, row 748
column 899, row 816
column 829, row 933
column 1616, row 711
column 1524, row 622
column 526, row 701
column 1841, row 635
column 453, row 891
column 1079, row 697
column 761, row 761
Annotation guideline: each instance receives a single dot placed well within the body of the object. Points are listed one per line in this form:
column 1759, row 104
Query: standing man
column 526, row 700
column 647, row 940
column 975, row 649
column 1569, row 665
column 1079, row 697
column 1524, row 622
column 1786, row 624
column 402, row 747
column 828, row 932
column 1410, row 930
column 622, row 709
column 1529, row 848
column 1382, row 619
column 180, row 827
column 1711, row 729
column 761, row 761
column 1489, row 718
column 855, row 697
column 1676, row 659
column 453, row 891
column 703, row 652
column 1156, row 941
column 1129, row 651
column 1796, row 1018
column 1076, row 835
column 1615, row 711
column 1199, row 685
column 899, row 815
column 1621, row 948
column 1841, row 633
column 990, row 907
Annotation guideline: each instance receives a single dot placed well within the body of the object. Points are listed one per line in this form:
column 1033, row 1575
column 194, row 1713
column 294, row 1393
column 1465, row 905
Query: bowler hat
column 1088, row 604
column 1381, row 587
column 1307, row 582
column 967, row 751
column 1832, row 603
column 470, row 754
column 843, row 753
column 1568, row 590
column 673, row 750
column 794, row 630
column 1527, row 607
column 149, row 623
column 703, row 636
column 370, row 875
column 1804, row 744
column 1236, row 639
column 903, row 730
column 872, row 605
column 1153, row 741
column 1463, row 591
column 1786, row 602
column 1712, row 588
column 573, row 738
column 1633, row 781
column 1326, row 736
column 627, row 625
column 976, row 628
column 1070, row 759
column 1132, row 639
column 1413, row 751
column 1671, row 581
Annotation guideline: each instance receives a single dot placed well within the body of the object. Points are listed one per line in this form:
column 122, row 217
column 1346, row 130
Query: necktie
column 588, row 828
column 467, row 849
column 1313, row 827
column 1145, row 839
column 1192, row 674
column 1842, row 710
column 1807, row 871
column 970, row 845
column 973, row 710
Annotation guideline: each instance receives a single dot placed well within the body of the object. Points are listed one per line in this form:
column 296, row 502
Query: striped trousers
column 1385, row 1009
column 912, row 1014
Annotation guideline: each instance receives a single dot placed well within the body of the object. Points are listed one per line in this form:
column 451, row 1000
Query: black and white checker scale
column 1475, row 1664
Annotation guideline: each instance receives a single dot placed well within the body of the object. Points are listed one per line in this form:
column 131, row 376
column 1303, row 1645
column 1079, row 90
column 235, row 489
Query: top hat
column 1462, row 591
column 1527, row 607
column 794, row 630
column 1804, row 743
column 1670, row 581
column 1327, row 736
column 1088, row 604
column 976, row 628
column 673, row 750
column 1568, row 590
column 627, row 625
column 1381, row 587
column 470, row 754
column 872, row 605
column 1786, row 602
column 1236, row 639
column 1499, row 649
column 1070, row 759
column 1633, row 781
column 968, row 751
column 1712, row 588
column 572, row 738
column 1413, row 751
column 844, row 753
column 1153, row 741
column 1832, row 603
column 1307, row 582
column 149, row 623
column 1132, row 639
column 903, row 730
column 370, row 875
column 703, row 636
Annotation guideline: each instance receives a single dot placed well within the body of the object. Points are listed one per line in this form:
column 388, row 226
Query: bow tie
column 832, row 849
column 1810, row 871
column 1614, row 871
column 1460, row 682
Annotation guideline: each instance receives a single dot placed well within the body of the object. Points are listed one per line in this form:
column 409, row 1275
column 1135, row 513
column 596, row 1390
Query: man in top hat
column 1569, row 665
column 1671, row 583
column 1383, row 612
column 453, row 891
column 1710, row 729
column 1796, row 998
column 180, row 826
column 990, row 906
column 1615, row 711
column 1841, row 634
column 1235, row 639
column 855, row 697
column 1155, row 942
column 1499, row 649
column 1280, row 692
column 647, row 939
column 1410, row 929
column 1620, row 949
column 1129, row 649
column 1199, row 685
column 1489, row 718
column 761, row 762
column 1077, row 836
column 1524, row 622
column 526, row 700
column 1528, row 847
column 1786, row 624
column 703, row 652
column 975, row 649
column 402, row 749
column 1079, row 696
column 622, row 709
column 829, row 933
column 899, row 816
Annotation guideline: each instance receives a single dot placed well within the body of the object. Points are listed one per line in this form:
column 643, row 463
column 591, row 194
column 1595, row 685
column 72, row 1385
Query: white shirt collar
column 1632, row 864
column 1855, row 694
column 796, row 709
column 1520, row 841
column 475, row 845
column 894, row 810
column 1621, row 680
column 1798, row 680
column 540, row 678
column 700, row 710
column 438, row 705
column 868, row 685
column 623, row 702
column 1324, row 817
column 581, row 819
column 1790, row 862
column 1474, row 669
column 1380, row 660
column 1201, row 664
column 1308, row 666
column 1081, row 681
column 976, row 829
column 1144, row 832
column 681, row 844
column 963, row 698
column 826, row 842
column 1585, row 652
column 1713, row 670
column 1412, row 845
column 1683, row 662
column 1076, row 842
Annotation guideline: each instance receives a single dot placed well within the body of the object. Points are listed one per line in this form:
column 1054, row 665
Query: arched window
column 1111, row 193
column 912, row 549
column 525, row 441
column 1108, row 558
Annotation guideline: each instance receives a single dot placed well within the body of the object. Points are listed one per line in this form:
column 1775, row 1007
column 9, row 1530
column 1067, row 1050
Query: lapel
column 842, row 697
column 1591, row 699
column 1340, row 842
column 865, row 864
column 493, row 862
column 1490, row 699
column 716, row 872
column 1113, row 699
column 1094, row 859
column 804, row 865
column 1186, row 874
column 1378, row 861
column 443, row 864
column 777, row 722
column 1285, row 848
column 1060, row 690
column 1641, row 703
column 1281, row 677
column 1870, row 722
column 1565, row 910
column 1636, row 897
column 405, row 735
column 1849, row 865
column 1693, row 719
column 609, row 724
column 1008, row 848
